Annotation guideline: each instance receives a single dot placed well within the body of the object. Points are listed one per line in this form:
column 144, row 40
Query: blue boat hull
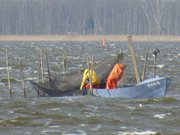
column 151, row 88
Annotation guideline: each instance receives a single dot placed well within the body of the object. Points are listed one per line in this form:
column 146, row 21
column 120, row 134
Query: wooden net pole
column 47, row 63
column 133, row 57
column 8, row 76
column 145, row 63
column 22, row 75
column 64, row 61
column 91, row 72
column 41, row 66
column 39, row 74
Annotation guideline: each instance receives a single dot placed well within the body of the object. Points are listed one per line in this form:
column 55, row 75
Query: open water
column 86, row 115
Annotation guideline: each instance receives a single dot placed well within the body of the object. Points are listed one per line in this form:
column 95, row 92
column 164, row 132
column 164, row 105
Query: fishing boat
column 155, row 87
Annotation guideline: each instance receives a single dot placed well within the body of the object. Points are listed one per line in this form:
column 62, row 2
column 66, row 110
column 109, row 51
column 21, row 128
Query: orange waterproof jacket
column 115, row 75
column 86, row 76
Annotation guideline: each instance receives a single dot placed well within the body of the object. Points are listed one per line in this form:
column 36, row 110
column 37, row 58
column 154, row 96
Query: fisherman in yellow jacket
column 86, row 77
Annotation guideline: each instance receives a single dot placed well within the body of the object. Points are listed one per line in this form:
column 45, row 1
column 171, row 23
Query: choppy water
column 86, row 115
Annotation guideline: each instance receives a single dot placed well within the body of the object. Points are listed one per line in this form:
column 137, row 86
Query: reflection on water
column 86, row 115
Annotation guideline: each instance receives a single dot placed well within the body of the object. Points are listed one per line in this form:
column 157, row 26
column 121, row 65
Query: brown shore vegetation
column 120, row 38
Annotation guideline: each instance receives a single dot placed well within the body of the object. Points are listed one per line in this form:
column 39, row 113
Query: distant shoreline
column 120, row 38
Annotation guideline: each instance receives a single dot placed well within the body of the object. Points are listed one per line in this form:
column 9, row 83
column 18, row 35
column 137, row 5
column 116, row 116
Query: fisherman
column 85, row 84
column 115, row 76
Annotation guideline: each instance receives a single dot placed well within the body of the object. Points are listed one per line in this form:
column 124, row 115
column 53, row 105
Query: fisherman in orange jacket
column 115, row 75
column 86, row 77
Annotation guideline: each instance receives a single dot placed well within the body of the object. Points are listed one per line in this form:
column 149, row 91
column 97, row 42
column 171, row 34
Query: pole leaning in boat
column 145, row 63
column 133, row 57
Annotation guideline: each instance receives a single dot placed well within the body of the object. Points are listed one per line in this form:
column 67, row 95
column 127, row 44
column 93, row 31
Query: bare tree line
column 51, row 17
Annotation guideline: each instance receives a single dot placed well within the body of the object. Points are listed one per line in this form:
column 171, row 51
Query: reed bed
column 73, row 37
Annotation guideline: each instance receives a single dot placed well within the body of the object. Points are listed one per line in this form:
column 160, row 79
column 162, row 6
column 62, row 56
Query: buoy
column 103, row 41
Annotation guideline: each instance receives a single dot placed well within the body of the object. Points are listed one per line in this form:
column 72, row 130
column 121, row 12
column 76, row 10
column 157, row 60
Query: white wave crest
column 139, row 133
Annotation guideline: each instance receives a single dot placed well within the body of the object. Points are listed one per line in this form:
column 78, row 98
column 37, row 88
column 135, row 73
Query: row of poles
column 41, row 70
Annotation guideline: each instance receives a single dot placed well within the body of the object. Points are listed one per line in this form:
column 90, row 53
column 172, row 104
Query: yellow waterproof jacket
column 86, row 76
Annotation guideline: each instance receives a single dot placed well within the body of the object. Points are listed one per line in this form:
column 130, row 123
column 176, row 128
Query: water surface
column 86, row 115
